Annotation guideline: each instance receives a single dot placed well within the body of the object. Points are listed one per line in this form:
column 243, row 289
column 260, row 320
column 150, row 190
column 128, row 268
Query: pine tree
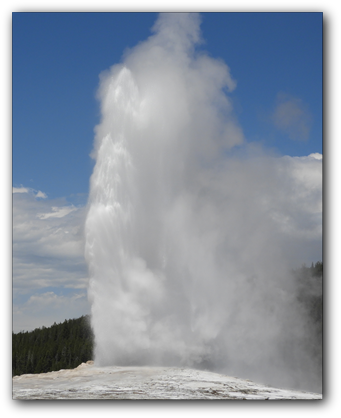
column 61, row 346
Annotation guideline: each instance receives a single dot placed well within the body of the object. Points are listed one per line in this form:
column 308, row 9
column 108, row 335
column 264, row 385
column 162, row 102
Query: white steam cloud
column 188, row 248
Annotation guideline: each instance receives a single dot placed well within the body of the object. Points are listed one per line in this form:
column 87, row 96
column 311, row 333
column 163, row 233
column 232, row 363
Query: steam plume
column 189, row 248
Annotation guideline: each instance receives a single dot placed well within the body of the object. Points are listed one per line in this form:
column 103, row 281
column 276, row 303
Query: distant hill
column 61, row 346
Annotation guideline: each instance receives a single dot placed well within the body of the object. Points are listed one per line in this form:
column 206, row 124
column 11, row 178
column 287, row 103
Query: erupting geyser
column 189, row 248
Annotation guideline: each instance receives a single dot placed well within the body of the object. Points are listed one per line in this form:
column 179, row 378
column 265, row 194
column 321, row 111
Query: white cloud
column 292, row 117
column 43, row 309
column 316, row 155
column 51, row 300
column 47, row 254
column 57, row 212
column 20, row 190
column 302, row 197
column 38, row 194
column 41, row 195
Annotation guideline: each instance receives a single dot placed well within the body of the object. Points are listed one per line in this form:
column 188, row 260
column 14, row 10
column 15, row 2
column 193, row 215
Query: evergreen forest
column 61, row 346
column 309, row 294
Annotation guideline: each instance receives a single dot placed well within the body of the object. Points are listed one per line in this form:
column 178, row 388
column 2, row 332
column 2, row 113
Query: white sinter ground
column 90, row 382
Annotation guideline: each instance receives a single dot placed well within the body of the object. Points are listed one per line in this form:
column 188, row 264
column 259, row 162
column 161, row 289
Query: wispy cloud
column 57, row 212
column 36, row 193
column 47, row 254
column 41, row 194
column 48, row 307
column 292, row 117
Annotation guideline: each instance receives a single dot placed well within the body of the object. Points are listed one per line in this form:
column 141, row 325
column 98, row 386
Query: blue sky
column 275, row 59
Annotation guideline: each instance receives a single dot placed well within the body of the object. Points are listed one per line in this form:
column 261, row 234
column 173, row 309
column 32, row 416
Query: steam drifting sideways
column 189, row 248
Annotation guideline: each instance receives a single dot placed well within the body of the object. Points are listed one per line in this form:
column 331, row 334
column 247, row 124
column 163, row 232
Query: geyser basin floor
column 90, row 382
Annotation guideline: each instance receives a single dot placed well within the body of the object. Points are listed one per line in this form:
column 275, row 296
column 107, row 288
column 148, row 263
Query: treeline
column 309, row 282
column 61, row 346
column 309, row 294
